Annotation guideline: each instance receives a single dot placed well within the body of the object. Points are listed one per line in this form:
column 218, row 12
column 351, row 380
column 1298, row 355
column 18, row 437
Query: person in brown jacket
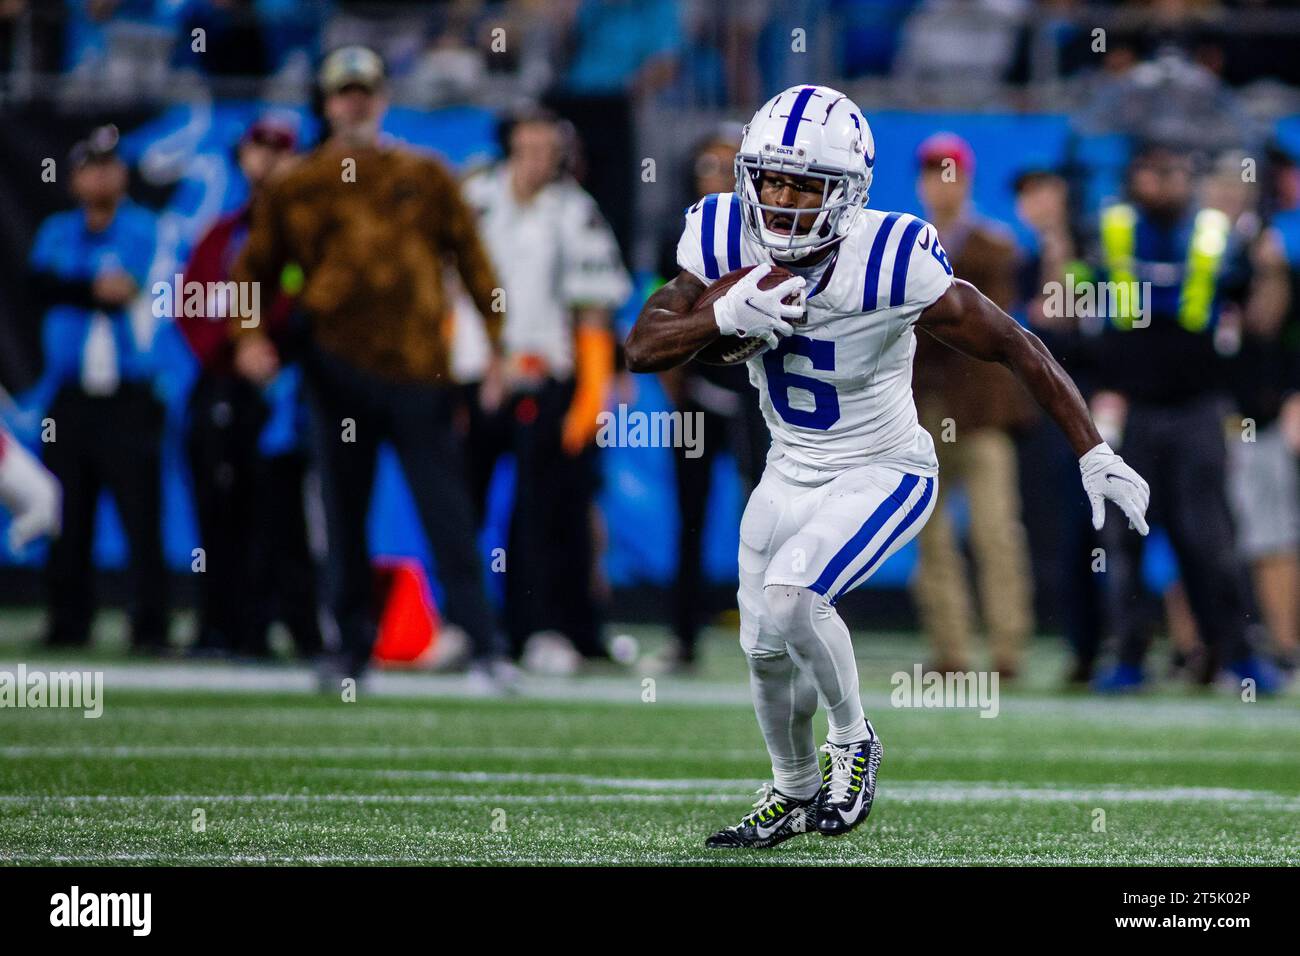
column 371, row 225
column 971, row 408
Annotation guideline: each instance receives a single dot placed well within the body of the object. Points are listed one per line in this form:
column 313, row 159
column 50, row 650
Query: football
column 731, row 349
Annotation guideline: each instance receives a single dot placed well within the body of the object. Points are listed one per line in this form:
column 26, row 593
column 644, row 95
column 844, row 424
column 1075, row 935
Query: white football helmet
column 811, row 131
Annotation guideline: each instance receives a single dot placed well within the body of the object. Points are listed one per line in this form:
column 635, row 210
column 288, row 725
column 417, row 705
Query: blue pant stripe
column 707, row 224
column 870, row 298
column 870, row 528
column 903, row 525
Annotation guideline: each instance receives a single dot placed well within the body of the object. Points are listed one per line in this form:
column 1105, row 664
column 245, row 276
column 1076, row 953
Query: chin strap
column 594, row 370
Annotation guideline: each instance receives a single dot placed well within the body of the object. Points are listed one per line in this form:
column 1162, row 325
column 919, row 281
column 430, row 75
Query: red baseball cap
column 274, row 131
column 943, row 146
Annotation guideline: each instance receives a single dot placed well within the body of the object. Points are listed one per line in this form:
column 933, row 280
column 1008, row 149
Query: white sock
column 785, row 701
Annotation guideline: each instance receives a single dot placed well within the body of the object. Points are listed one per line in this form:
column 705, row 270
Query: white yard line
column 480, row 799
column 1020, row 753
column 908, row 791
column 685, row 790
column 1149, row 712
column 210, row 676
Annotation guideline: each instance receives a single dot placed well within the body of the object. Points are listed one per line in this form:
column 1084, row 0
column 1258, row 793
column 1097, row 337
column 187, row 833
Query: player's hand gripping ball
column 753, row 307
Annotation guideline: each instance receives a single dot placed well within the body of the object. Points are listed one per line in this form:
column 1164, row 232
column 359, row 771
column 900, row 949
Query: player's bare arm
column 963, row 318
column 670, row 329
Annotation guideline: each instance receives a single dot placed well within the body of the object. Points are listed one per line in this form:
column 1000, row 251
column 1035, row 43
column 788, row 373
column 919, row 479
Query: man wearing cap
column 372, row 226
column 88, row 266
column 247, row 463
column 972, row 408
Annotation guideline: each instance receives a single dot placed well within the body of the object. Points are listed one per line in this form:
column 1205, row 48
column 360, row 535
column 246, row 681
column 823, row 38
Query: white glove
column 746, row 310
column 1107, row 476
column 30, row 492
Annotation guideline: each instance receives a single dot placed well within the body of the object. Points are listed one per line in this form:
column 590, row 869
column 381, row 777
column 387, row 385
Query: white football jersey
column 837, row 394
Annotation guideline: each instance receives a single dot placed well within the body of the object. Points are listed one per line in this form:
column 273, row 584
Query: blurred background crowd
column 1053, row 145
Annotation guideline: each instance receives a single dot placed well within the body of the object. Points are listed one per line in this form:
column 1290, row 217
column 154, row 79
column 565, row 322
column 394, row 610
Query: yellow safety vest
column 1204, row 258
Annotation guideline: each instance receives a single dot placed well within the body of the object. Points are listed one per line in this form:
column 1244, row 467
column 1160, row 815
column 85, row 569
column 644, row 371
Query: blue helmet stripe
column 898, row 288
column 706, row 236
column 796, row 114
column 869, row 297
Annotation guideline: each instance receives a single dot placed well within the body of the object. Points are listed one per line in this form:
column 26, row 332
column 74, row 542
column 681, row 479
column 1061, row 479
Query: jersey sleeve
column 689, row 255
column 593, row 268
column 710, row 244
column 925, row 268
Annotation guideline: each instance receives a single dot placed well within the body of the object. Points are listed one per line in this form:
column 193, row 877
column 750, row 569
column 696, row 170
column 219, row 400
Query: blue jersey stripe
column 898, row 288
column 733, row 235
column 706, row 236
column 877, row 255
column 917, row 510
column 796, row 114
column 870, row 528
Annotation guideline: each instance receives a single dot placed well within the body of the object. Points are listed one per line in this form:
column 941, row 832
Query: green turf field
column 586, row 771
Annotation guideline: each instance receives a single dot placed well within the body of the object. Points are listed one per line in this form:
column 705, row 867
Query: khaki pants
column 984, row 462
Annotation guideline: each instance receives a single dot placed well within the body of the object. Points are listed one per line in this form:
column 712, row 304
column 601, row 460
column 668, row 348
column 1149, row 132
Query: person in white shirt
column 562, row 278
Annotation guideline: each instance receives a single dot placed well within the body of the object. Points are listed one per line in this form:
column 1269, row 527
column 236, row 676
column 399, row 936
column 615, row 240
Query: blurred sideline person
column 563, row 277
column 1052, row 261
column 372, row 226
column 972, row 409
column 1163, row 372
column 247, row 466
column 1264, row 474
column 28, row 492
column 731, row 419
column 88, row 265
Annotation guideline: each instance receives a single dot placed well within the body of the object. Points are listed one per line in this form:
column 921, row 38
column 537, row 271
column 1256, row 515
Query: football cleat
column 848, row 784
column 775, row 818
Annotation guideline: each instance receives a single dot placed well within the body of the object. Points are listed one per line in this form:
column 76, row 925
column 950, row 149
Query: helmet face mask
column 831, row 143
column 842, row 191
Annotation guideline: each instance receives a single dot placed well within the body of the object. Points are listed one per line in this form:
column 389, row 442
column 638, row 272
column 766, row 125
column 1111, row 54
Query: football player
column 851, row 474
